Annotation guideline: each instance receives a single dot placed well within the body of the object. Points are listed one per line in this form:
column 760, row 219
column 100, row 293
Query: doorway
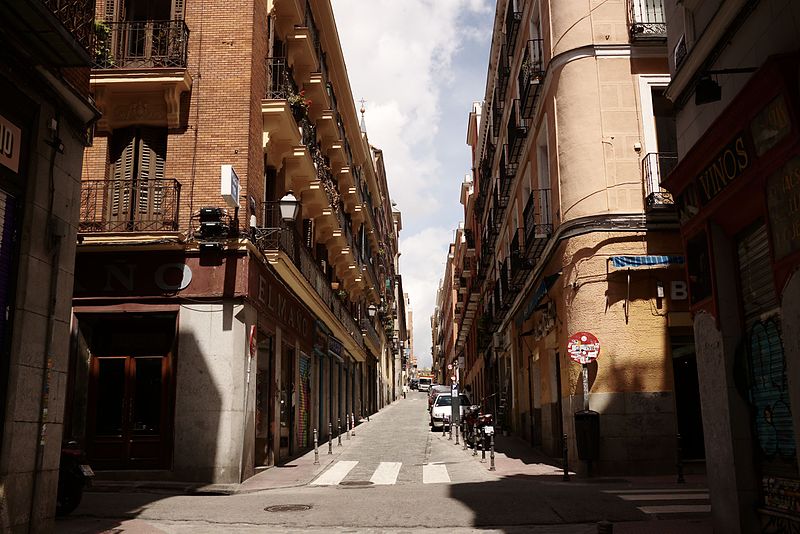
column 287, row 404
column 130, row 393
column 687, row 398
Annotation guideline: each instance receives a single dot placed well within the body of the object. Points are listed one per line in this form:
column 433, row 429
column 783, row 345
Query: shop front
column 737, row 195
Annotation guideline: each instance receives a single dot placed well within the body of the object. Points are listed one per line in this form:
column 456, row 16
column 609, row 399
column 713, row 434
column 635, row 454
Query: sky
column 419, row 65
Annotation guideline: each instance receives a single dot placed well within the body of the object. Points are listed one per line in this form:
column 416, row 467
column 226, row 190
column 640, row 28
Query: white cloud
column 403, row 58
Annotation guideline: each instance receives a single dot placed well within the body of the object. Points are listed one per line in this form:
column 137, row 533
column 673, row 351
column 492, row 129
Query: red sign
column 583, row 347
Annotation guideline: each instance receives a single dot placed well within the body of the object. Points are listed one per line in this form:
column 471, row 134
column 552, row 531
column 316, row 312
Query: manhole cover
column 356, row 483
column 288, row 508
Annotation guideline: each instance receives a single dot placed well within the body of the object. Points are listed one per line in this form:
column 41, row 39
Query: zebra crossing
column 385, row 473
column 667, row 502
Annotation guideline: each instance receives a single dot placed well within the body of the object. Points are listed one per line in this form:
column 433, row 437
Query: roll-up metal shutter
column 766, row 360
column 8, row 232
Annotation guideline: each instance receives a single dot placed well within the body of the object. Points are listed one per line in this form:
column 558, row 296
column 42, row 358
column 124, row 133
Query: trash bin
column 587, row 434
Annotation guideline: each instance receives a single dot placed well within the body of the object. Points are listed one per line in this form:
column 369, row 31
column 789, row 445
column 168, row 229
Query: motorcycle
column 477, row 425
column 73, row 475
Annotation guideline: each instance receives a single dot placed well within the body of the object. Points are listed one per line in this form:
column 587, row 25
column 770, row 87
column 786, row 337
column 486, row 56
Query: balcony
column 484, row 182
column 497, row 114
column 57, row 33
column 517, row 133
column 646, row 20
column 113, row 206
column 140, row 73
column 531, row 76
column 503, row 74
column 506, row 295
column 274, row 238
column 519, row 267
column 538, row 224
column 508, row 171
column 656, row 166
column 513, row 20
column 469, row 239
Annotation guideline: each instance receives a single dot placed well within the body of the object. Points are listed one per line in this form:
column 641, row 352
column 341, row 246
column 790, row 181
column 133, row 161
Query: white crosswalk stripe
column 335, row 474
column 386, row 473
column 435, row 474
column 695, row 501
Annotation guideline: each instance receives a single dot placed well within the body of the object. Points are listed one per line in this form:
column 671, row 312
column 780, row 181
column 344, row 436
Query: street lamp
column 372, row 310
column 289, row 206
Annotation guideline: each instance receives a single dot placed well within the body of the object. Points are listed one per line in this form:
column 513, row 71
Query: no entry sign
column 583, row 347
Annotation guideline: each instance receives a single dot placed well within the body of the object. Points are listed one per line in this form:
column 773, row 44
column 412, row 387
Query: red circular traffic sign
column 583, row 347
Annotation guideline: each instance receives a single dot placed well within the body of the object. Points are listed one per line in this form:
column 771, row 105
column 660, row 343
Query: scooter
column 475, row 421
column 73, row 475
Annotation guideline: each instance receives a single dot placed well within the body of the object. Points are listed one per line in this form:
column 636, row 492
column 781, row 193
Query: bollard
column 475, row 440
column 347, row 426
column 444, row 426
column 491, row 451
column 679, row 464
column 353, row 422
column 367, row 417
column 449, row 431
column 456, row 434
column 565, row 478
column 605, row 527
column 316, row 447
column 330, row 438
column 483, row 448
column 339, row 431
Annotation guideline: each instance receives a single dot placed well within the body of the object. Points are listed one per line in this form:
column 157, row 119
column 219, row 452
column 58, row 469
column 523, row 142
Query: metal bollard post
column 449, row 431
column 475, row 440
column 330, row 438
column 316, row 447
column 367, row 417
column 339, row 431
column 456, row 434
column 565, row 478
column 605, row 527
column 483, row 448
column 353, row 423
column 491, row 452
column 444, row 425
column 679, row 465
column 347, row 426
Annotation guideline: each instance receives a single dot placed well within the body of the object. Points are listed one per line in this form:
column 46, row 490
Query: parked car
column 434, row 392
column 443, row 409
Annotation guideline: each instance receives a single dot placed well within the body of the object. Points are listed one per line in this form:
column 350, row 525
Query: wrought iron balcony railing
column 646, row 20
column 508, row 171
column 142, row 44
column 656, row 166
column 513, row 20
column 369, row 332
column 517, row 132
column 519, row 266
column 506, row 296
column 77, row 16
column 503, row 73
column 147, row 205
column 497, row 113
column 538, row 223
column 274, row 236
column 531, row 76
column 281, row 84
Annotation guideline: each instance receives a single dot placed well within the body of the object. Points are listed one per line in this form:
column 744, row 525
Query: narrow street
column 396, row 475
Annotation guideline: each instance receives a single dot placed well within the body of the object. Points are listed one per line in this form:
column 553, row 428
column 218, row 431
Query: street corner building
column 567, row 230
column 237, row 289
column 734, row 85
column 45, row 122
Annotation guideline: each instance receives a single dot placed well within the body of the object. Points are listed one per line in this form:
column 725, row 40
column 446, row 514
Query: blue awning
column 536, row 298
column 646, row 262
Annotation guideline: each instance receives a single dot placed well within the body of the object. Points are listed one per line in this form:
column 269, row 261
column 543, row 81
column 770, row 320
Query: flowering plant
column 299, row 101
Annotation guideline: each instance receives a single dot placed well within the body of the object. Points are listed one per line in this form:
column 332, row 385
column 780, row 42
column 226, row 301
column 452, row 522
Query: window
column 137, row 159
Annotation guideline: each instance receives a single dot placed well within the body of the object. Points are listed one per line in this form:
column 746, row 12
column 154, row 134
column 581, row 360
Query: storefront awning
column 541, row 290
column 645, row 262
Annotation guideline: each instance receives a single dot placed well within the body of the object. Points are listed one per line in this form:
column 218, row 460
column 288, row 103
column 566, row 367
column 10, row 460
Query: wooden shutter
column 152, row 148
column 177, row 9
column 122, row 158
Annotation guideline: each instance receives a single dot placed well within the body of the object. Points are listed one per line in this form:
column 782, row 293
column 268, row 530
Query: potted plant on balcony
column 299, row 104
column 342, row 294
column 103, row 58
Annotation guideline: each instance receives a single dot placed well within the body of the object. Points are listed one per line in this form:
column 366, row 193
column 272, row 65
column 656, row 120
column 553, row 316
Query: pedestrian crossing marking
column 677, row 509
column 435, row 474
column 386, row 473
column 664, row 497
column 335, row 474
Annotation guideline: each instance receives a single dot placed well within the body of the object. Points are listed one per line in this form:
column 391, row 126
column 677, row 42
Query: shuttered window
column 137, row 164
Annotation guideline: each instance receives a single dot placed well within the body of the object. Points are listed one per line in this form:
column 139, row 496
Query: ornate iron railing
column 513, row 20
column 77, row 16
column 497, row 113
column 129, row 205
column 517, row 132
column 275, row 236
column 503, row 73
column 655, row 166
column 142, row 44
column 281, row 84
column 646, row 20
column 538, row 223
column 531, row 76
column 519, row 266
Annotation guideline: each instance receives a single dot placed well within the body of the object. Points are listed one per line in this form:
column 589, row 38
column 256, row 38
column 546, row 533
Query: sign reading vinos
column 583, row 347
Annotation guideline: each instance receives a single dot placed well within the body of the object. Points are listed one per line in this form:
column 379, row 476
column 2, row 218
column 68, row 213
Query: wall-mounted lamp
column 372, row 310
column 660, row 289
column 707, row 90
